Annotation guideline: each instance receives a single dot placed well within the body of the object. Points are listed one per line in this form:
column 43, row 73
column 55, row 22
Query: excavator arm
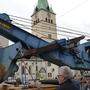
column 59, row 52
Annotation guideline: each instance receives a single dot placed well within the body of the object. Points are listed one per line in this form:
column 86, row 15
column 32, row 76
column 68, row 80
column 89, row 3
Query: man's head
column 65, row 73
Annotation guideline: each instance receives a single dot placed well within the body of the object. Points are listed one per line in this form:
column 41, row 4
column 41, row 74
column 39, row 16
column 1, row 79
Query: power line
column 46, row 28
column 22, row 26
column 77, row 6
column 69, row 29
column 56, row 26
column 21, row 20
column 20, row 17
column 44, row 23
column 53, row 30
column 38, row 31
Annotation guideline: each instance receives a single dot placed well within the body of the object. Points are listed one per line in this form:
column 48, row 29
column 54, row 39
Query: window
column 38, row 20
column 46, row 19
column 49, row 64
column 51, row 21
column 49, row 36
column 49, row 74
column 34, row 23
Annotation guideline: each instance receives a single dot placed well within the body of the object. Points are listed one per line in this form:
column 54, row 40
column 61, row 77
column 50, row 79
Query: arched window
column 51, row 21
column 38, row 20
column 49, row 36
column 34, row 22
column 49, row 74
column 46, row 19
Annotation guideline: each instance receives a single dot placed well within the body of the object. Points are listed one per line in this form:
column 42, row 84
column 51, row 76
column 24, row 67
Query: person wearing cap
column 66, row 81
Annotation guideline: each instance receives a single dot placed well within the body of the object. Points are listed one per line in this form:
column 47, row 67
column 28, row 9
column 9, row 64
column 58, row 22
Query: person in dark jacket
column 66, row 81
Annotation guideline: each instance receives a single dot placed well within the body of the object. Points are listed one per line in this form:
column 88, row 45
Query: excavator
column 60, row 52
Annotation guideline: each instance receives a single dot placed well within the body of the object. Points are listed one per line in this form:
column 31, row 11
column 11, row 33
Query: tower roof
column 43, row 5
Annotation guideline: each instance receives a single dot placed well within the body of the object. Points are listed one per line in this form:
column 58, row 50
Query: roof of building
column 43, row 5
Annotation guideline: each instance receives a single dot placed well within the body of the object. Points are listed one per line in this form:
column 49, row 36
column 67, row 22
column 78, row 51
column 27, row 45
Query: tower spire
column 43, row 5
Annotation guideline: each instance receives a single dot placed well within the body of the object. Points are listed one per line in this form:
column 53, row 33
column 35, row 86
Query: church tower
column 44, row 21
column 44, row 26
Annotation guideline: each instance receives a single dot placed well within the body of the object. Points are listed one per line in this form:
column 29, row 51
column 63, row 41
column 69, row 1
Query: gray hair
column 66, row 72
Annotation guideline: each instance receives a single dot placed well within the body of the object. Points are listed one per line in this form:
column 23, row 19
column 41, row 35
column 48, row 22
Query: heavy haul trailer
column 59, row 52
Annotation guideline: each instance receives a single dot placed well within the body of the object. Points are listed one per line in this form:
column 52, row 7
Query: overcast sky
column 73, row 14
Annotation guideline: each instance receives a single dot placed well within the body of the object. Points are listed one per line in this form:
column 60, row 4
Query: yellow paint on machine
column 5, row 25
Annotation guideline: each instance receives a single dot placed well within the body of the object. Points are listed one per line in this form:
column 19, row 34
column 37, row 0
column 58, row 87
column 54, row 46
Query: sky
column 73, row 14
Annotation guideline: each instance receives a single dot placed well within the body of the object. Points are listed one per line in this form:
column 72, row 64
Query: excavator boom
column 59, row 52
